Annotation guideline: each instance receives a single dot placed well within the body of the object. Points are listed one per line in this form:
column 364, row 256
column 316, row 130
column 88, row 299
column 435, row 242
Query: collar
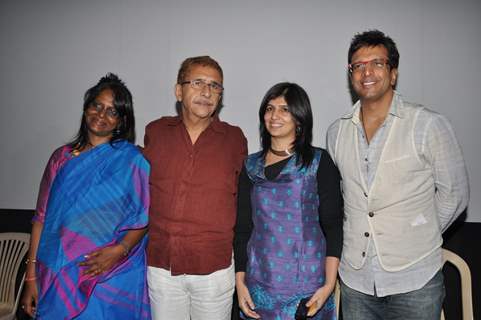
column 173, row 121
column 396, row 109
column 216, row 124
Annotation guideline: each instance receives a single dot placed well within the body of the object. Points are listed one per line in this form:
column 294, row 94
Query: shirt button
column 365, row 159
column 366, row 234
column 365, row 194
column 363, row 254
column 371, row 214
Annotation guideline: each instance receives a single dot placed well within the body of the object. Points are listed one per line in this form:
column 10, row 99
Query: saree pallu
column 94, row 200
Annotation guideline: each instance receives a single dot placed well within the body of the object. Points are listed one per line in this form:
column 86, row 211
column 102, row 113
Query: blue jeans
column 422, row 304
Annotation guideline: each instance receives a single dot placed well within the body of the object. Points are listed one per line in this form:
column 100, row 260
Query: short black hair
column 300, row 108
column 122, row 103
column 373, row 38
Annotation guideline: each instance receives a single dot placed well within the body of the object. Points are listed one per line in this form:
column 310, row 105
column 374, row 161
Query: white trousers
column 191, row 297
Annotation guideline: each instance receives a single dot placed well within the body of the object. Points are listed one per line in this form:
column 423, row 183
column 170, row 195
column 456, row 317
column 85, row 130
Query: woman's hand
column 244, row 297
column 30, row 297
column 102, row 260
column 320, row 296
column 318, row 299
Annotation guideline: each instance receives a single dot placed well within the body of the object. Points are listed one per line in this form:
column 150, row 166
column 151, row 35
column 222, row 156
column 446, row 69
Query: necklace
column 282, row 153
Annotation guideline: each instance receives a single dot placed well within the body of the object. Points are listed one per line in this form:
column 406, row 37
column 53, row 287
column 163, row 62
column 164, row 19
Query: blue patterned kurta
column 287, row 248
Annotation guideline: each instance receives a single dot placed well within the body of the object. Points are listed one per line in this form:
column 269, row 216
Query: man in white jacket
column 404, row 182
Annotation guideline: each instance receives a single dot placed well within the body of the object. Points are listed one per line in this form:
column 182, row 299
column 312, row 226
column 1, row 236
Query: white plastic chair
column 465, row 274
column 13, row 247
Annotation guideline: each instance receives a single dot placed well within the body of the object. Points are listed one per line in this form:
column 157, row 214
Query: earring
column 298, row 131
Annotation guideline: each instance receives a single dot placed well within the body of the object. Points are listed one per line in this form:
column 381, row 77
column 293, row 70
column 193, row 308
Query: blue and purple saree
column 90, row 202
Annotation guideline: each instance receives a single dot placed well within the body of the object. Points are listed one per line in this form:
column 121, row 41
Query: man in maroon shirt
column 195, row 162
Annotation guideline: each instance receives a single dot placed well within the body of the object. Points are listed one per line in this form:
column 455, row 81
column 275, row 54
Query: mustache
column 203, row 101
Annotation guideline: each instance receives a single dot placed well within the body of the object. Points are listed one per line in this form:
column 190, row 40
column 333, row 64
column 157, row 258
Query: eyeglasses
column 376, row 64
column 99, row 107
column 200, row 84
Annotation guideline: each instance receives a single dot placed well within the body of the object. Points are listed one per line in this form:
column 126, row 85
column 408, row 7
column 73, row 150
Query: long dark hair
column 122, row 103
column 300, row 108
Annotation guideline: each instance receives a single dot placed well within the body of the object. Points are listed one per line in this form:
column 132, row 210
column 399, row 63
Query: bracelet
column 125, row 246
column 30, row 278
column 28, row 260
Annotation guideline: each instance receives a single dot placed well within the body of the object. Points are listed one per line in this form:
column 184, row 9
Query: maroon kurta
column 193, row 191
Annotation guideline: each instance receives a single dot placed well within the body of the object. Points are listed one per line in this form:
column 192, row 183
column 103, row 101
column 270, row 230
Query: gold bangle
column 30, row 261
column 30, row 278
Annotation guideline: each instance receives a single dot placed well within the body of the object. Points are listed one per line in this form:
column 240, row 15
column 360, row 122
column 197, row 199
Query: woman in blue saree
column 87, row 251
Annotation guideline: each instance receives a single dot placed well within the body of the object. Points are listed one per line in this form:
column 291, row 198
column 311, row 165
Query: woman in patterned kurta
column 87, row 254
column 286, row 192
